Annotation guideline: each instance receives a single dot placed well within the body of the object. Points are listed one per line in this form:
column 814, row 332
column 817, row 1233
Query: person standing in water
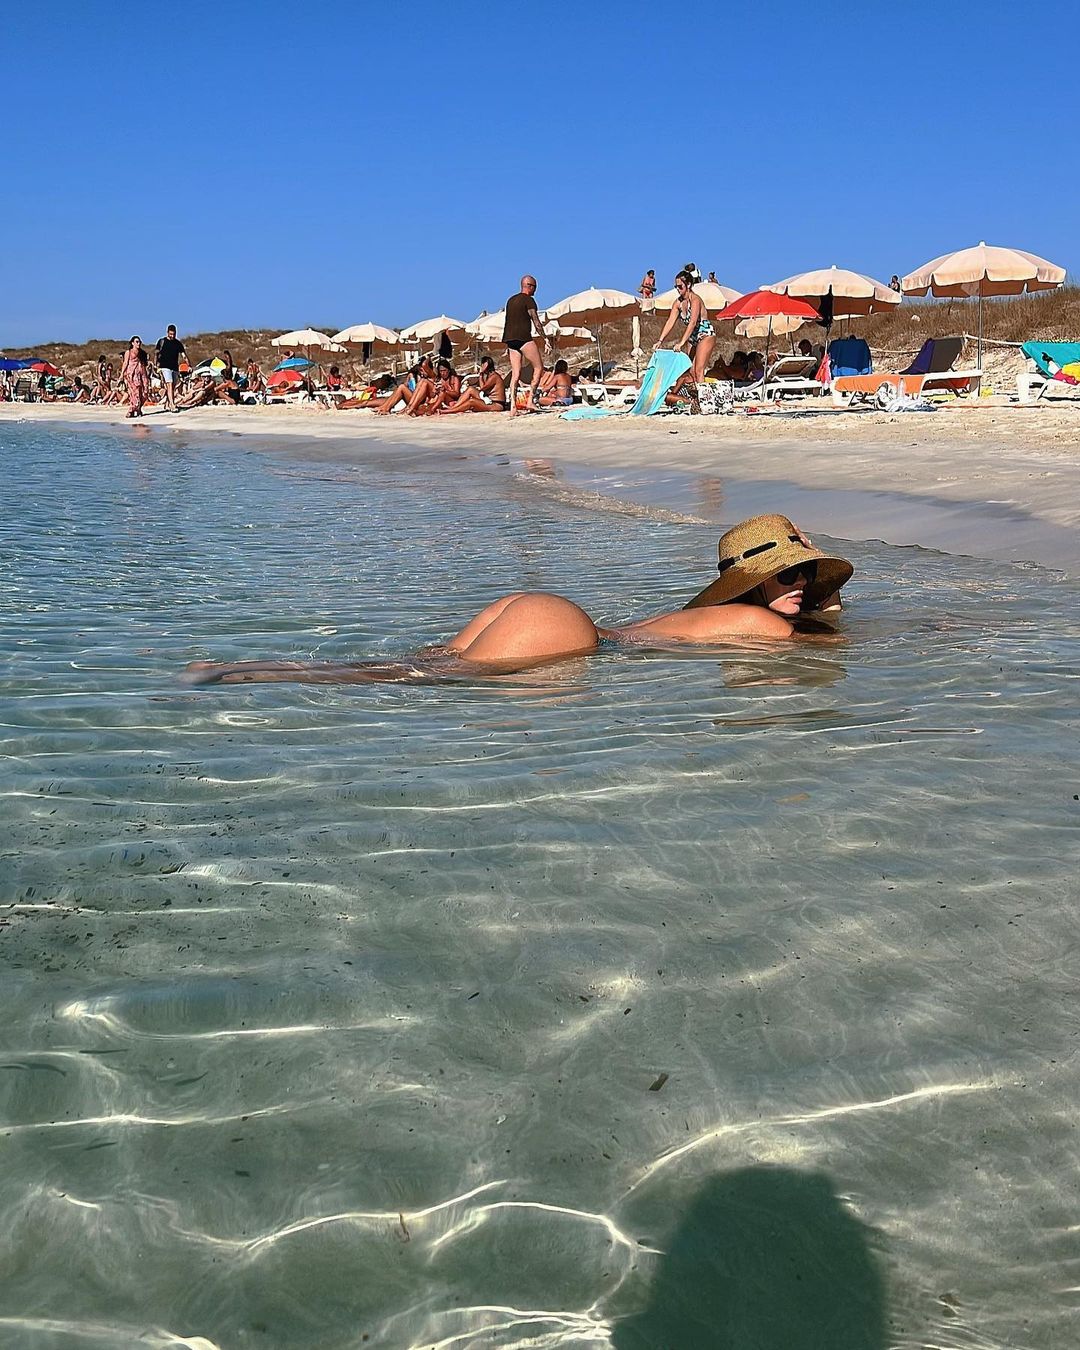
column 770, row 575
column 522, row 318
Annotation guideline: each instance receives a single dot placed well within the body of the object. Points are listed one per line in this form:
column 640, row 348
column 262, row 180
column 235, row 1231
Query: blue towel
column 660, row 374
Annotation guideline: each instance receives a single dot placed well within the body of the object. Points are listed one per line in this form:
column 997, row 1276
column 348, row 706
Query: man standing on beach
column 522, row 318
column 169, row 351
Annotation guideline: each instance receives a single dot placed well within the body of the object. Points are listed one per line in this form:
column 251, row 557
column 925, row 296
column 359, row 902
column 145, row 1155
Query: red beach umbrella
column 767, row 305
column 285, row 377
column 43, row 368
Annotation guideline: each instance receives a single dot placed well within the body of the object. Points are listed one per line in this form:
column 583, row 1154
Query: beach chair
column 1041, row 380
column 25, row 390
column 932, row 369
column 791, row 375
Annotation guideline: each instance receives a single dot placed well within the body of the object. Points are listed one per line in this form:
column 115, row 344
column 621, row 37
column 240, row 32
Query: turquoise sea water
column 711, row 998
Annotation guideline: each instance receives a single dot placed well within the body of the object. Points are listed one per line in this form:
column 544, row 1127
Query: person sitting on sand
column 735, row 369
column 256, row 384
column 334, row 381
column 432, row 394
column 770, row 575
column 559, row 391
column 423, row 370
column 487, row 394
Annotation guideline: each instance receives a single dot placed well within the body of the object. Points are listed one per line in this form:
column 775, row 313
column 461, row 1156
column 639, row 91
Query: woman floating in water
column 770, row 574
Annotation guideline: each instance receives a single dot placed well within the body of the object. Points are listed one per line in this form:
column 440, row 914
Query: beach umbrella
column 369, row 339
column 294, row 363
column 283, row 378
column 592, row 309
column 371, row 335
column 770, row 306
column 564, row 339
column 775, row 324
column 837, row 293
column 984, row 270
column 41, row 367
column 457, row 331
column 14, row 363
column 211, row 365
column 307, row 338
column 713, row 296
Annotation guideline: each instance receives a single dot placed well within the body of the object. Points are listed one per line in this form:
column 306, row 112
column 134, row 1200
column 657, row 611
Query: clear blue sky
column 278, row 165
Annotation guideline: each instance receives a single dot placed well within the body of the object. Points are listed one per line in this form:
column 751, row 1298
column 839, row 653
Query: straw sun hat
column 755, row 550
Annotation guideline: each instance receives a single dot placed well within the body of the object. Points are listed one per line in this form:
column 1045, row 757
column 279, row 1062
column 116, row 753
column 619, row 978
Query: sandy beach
column 987, row 478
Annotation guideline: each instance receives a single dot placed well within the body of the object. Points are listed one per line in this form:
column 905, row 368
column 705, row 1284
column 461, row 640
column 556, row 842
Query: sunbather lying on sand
column 770, row 574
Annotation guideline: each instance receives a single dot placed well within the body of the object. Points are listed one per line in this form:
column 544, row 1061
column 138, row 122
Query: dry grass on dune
column 1054, row 316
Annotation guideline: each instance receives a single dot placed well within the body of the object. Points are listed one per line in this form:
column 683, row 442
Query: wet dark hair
column 489, row 362
column 443, row 364
column 685, row 277
column 134, row 338
column 561, row 368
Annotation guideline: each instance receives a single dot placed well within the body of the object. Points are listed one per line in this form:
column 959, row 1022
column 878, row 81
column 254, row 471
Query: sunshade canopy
column 455, row 330
column 759, row 304
column 363, row 334
column 294, row 363
column 713, row 296
column 306, row 337
column 593, row 306
column 851, row 292
column 984, row 270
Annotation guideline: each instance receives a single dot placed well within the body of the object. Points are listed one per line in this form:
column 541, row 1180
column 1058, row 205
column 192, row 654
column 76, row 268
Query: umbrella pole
column 979, row 361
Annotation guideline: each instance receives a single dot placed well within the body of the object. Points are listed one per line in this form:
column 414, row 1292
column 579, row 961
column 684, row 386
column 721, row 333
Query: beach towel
column 660, row 374
column 850, row 356
column 1063, row 354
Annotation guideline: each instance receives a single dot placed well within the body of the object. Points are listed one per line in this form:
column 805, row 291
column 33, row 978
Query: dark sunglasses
column 806, row 570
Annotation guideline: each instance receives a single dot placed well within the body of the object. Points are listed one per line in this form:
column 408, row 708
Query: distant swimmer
column 770, row 576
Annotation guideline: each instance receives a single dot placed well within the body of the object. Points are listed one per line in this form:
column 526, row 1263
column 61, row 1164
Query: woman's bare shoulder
column 743, row 620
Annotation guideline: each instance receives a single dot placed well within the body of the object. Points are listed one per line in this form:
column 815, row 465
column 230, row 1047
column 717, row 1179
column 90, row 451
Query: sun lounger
column 25, row 390
column 932, row 369
column 1041, row 381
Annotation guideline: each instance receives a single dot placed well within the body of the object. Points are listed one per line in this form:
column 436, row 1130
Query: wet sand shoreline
column 986, row 479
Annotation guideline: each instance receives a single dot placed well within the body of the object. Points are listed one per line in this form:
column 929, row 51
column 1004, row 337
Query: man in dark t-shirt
column 522, row 319
column 169, row 351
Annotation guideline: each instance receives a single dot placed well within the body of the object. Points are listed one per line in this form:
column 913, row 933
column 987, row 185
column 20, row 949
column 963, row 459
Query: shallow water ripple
column 661, row 999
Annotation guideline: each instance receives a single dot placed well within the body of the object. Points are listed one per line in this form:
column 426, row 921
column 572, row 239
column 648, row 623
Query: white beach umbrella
column 455, row 330
column 593, row 306
column 984, row 270
column 488, row 329
column 592, row 309
column 849, row 293
column 764, row 328
column 713, row 296
column 369, row 339
column 306, row 338
column 564, row 339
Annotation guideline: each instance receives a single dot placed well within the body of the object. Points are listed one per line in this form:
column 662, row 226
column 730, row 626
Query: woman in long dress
column 135, row 376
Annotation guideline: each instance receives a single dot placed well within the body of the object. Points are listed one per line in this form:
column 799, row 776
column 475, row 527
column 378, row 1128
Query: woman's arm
column 672, row 317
